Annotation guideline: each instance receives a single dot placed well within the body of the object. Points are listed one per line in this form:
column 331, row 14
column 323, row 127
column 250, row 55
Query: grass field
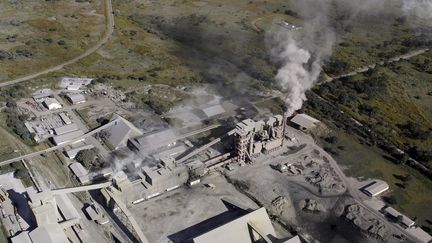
column 364, row 162
column 38, row 34
column 394, row 96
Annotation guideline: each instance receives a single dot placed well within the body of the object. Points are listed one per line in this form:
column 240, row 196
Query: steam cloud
column 294, row 77
column 418, row 8
column 300, row 53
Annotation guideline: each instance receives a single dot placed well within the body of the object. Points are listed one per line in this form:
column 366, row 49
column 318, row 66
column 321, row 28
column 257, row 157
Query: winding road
column 108, row 33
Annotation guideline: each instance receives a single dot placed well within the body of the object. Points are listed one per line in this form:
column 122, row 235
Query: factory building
column 237, row 224
column 154, row 140
column 65, row 118
column 72, row 152
column 51, row 104
column 254, row 138
column 304, row 122
column 375, row 188
column 67, row 137
column 419, row 234
column 48, row 210
column 75, row 98
column 394, row 214
column 65, row 129
column 121, row 132
column 153, row 181
column 80, row 172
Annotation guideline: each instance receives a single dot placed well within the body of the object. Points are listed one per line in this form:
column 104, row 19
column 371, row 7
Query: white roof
column 67, row 82
column 213, row 110
column 76, row 98
column 238, row 230
column 51, row 101
column 66, row 207
column 23, row 237
column 376, row 187
column 154, row 140
column 71, row 153
column 42, row 93
column 304, row 120
column 121, row 131
column 50, row 233
column 78, row 169
column 65, row 129
column 60, row 139
column 405, row 220
column 65, row 118
column 295, row 239
column 419, row 234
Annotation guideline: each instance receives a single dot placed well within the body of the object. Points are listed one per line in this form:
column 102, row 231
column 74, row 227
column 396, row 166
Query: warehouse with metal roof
column 65, row 129
column 121, row 132
column 67, row 137
column 75, row 98
column 304, row 121
column 375, row 188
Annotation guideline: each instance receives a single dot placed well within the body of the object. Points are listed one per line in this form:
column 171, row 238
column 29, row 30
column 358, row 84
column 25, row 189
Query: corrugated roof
column 67, row 137
column 304, row 120
column 78, row 169
column 157, row 139
column 65, row 118
column 213, row 110
column 238, row 230
column 23, row 237
column 76, row 98
column 65, row 129
column 377, row 187
column 71, row 153
column 121, row 131
column 50, row 233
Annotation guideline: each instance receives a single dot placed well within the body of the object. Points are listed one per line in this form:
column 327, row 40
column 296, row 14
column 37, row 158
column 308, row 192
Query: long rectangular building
column 376, row 188
column 67, row 137
column 65, row 129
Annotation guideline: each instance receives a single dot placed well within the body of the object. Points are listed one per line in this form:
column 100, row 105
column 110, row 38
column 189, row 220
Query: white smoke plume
column 294, row 77
column 300, row 54
column 418, row 8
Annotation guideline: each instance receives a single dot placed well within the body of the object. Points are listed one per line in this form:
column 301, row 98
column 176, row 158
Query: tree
column 87, row 157
column 21, row 174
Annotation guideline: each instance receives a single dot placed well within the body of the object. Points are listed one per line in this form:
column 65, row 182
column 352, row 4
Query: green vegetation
column 15, row 122
column 3, row 234
column 58, row 31
column 410, row 192
column 389, row 102
column 88, row 158
column 160, row 98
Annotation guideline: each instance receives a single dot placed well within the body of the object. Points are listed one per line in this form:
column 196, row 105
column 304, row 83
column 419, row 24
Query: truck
column 12, row 219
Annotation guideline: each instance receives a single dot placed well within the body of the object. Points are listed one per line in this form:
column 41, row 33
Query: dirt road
column 406, row 56
column 108, row 33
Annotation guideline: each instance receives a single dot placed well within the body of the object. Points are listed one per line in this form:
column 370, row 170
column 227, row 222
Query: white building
column 121, row 132
column 375, row 188
column 74, row 84
column 75, row 98
column 51, row 104
column 304, row 122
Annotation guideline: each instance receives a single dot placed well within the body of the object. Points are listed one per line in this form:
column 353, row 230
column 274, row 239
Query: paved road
column 108, row 33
